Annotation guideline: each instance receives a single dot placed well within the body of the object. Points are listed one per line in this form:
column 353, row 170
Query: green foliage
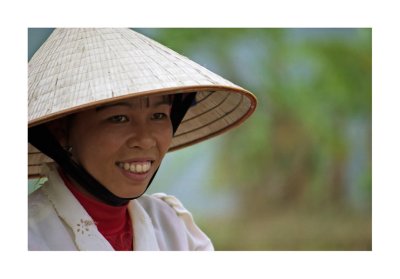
column 308, row 145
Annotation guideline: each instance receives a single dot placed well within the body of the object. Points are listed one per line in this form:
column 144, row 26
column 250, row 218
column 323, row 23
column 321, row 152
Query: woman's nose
column 141, row 138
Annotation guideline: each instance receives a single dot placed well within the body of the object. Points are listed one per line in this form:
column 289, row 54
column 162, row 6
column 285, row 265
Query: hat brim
column 78, row 69
column 217, row 110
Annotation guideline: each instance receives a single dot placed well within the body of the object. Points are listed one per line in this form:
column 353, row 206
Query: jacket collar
column 86, row 235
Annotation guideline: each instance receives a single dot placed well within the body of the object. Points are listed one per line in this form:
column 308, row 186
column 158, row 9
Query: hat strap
column 180, row 105
column 40, row 137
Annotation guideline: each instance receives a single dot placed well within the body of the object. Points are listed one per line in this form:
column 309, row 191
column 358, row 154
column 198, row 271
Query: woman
column 105, row 105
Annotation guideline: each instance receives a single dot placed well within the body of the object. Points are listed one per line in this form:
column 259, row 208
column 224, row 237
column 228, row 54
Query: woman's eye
column 118, row 119
column 159, row 116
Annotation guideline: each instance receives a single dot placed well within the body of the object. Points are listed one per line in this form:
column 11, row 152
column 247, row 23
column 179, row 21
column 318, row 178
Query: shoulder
column 46, row 229
column 175, row 222
column 165, row 211
column 38, row 204
column 166, row 206
column 153, row 202
column 162, row 203
column 42, row 221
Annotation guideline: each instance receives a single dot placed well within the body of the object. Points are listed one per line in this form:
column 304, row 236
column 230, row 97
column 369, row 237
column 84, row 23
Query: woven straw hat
column 76, row 69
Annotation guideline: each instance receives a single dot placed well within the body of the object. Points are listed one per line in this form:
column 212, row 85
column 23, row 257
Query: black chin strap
column 41, row 138
column 180, row 105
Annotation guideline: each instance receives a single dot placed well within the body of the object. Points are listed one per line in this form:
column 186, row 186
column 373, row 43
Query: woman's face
column 122, row 144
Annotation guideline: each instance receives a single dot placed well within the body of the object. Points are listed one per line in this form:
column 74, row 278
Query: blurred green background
column 298, row 174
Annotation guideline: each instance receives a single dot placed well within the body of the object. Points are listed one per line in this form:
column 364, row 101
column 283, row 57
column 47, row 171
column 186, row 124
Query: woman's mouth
column 135, row 167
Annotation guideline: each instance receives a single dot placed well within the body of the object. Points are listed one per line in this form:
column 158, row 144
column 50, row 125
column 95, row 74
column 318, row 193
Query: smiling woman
column 105, row 106
column 122, row 144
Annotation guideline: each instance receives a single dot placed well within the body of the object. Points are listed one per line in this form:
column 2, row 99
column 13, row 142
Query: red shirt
column 113, row 222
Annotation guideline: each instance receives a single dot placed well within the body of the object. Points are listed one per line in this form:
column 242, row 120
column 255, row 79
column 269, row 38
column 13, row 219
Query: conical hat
column 76, row 69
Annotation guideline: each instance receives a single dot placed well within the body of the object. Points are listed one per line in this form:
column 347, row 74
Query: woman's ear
column 59, row 129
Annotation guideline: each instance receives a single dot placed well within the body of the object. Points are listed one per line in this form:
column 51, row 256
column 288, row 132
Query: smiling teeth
column 136, row 167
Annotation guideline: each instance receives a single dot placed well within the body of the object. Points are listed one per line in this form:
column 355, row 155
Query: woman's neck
column 113, row 222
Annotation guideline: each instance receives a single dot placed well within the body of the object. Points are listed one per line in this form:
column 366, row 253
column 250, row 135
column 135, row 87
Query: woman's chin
column 131, row 193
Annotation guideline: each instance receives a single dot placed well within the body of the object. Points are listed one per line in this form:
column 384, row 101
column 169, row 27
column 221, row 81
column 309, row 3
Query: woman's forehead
column 150, row 100
column 141, row 102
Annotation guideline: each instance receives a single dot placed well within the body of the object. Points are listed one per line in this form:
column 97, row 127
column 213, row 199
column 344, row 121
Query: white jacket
column 57, row 221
